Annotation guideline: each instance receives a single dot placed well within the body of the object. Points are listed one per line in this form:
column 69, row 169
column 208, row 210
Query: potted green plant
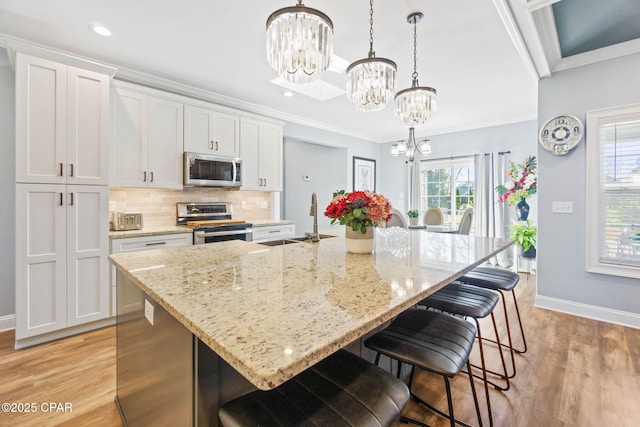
column 524, row 234
column 413, row 215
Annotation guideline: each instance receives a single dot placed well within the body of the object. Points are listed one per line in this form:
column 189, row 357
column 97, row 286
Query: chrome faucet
column 314, row 237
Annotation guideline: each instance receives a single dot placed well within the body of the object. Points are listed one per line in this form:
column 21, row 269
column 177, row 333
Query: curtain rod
column 500, row 153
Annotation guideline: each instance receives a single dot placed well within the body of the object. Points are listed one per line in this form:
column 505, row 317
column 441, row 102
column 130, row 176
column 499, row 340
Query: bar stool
column 477, row 303
column 432, row 341
column 341, row 390
column 501, row 281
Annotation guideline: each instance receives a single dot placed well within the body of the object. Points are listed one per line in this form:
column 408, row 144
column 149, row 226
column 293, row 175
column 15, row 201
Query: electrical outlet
column 244, row 204
column 562, row 207
column 148, row 311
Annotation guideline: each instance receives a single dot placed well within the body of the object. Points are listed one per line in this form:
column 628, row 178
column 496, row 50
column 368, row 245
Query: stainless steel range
column 212, row 222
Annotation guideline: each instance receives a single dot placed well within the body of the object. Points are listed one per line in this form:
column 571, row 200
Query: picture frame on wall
column 364, row 174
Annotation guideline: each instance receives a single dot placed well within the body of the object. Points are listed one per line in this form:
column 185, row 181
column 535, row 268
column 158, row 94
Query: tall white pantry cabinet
column 62, row 235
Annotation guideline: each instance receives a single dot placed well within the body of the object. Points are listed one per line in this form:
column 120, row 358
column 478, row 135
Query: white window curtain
column 490, row 215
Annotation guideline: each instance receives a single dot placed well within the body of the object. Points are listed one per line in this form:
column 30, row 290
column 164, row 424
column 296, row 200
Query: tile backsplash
column 158, row 206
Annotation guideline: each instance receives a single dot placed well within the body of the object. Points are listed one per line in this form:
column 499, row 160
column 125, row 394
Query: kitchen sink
column 280, row 242
column 293, row 240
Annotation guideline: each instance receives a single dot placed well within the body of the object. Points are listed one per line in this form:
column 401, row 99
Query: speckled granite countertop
column 150, row 231
column 271, row 312
column 268, row 222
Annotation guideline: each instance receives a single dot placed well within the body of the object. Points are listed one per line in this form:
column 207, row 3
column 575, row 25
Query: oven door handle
column 224, row 233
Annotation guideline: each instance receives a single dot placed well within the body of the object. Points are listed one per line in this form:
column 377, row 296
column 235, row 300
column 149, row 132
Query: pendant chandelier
column 299, row 43
column 415, row 105
column 371, row 81
column 410, row 147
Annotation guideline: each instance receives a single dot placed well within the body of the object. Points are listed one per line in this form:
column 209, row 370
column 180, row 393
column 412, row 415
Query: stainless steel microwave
column 204, row 170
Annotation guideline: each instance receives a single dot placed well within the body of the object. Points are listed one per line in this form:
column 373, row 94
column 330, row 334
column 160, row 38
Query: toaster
column 127, row 221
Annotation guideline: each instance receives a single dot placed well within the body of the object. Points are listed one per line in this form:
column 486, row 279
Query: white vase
column 358, row 243
column 413, row 220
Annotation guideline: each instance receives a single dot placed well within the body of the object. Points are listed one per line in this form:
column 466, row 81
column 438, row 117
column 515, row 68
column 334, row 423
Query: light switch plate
column 562, row 207
column 148, row 311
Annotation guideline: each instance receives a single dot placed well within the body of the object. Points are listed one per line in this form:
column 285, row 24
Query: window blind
column 619, row 201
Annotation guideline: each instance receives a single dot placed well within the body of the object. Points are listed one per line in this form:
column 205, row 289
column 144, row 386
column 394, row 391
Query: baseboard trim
column 63, row 333
column 7, row 323
column 624, row 318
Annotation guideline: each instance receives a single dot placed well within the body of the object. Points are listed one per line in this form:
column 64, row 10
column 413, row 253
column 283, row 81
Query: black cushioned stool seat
column 491, row 278
column 342, row 390
column 432, row 341
column 502, row 281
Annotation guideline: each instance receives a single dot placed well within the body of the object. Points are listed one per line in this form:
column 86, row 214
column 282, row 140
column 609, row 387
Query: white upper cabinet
column 147, row 140
column 62, row 115
column 261, row 152
column 209, row 131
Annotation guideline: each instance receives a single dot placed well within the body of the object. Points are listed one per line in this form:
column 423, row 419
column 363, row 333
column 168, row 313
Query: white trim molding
column 603, row 314
column 7, row 323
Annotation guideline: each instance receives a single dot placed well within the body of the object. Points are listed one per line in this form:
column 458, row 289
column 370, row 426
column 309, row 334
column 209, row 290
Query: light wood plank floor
column 577, row 372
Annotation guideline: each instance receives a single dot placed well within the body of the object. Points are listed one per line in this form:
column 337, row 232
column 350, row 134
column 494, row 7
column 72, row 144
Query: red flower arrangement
column 359, row 209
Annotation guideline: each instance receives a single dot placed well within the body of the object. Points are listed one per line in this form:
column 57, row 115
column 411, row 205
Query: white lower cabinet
column 61, row 257
column 273, row 232
column 142, row 243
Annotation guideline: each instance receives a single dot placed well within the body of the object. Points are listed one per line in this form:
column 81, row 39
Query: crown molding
column 518, row 24
column 14, row 45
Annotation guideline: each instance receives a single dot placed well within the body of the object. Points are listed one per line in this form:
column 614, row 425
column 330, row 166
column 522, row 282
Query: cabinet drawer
column 132, row 244
column 273, row 232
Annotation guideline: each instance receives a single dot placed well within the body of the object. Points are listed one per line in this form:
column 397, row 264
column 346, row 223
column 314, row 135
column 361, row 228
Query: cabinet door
column 270, row 153
column 250, row 140
column 165, row 143
column 88, row 290
column 41, row 89
column 198, row 132
column 87, row 127
column 40, row 259
column 129, row 150
column 226, row 134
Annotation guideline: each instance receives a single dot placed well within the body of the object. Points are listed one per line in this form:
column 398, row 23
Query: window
column 448, row 184
column 613, row 191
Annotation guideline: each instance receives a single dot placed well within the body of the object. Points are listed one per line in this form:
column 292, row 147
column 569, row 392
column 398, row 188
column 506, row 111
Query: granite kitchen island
column 231, row 316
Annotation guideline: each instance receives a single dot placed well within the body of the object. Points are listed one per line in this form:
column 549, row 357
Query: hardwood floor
column 577, row 372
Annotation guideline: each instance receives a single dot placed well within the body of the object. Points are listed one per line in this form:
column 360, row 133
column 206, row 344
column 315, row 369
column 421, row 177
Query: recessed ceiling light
column 100, row 29
column 287, row 93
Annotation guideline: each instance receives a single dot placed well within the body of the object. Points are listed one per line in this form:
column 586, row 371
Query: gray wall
column 519, row 138
column 302, row 159
column 7, row 187
column 561, row 254
column 328, row 158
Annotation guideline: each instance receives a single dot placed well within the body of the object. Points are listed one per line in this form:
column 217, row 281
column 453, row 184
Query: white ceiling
column 464, row 51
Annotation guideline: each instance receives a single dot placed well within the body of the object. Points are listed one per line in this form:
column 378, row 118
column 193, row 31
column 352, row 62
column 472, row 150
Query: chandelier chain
column 371, row 52
column 415, row 52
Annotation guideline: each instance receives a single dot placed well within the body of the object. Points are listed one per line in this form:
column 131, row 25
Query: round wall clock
column 560, row 134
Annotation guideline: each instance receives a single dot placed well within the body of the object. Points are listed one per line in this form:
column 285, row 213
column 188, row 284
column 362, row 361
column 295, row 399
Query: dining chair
column 341, row 390
column 465, row 221
column 397, row 219
column 433, row 216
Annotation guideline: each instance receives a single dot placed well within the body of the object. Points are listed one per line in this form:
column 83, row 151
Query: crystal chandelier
column 371, row 81
column 299, row 43
column 410, row 147
column 415, row 105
